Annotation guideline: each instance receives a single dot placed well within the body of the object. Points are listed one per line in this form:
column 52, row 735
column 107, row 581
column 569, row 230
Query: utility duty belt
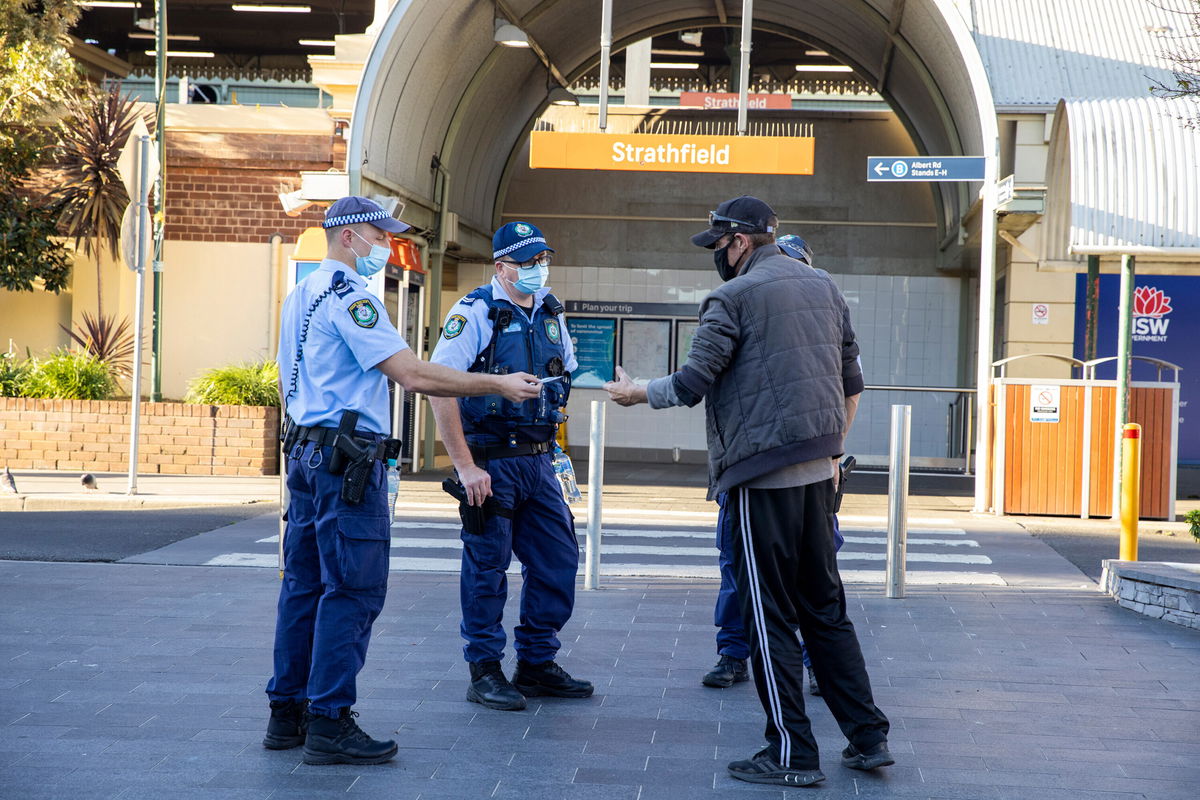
column 354, row 452
column 482, row 455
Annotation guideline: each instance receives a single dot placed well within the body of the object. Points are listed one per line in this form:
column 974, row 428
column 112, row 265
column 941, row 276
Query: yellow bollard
column 1131, row 489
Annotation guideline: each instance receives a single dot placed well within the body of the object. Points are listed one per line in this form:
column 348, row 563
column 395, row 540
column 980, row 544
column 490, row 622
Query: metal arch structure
column 436, row 84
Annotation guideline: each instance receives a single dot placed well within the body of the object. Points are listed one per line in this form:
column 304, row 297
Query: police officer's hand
column 624, row 391
column 519, row 386
column 477, row 482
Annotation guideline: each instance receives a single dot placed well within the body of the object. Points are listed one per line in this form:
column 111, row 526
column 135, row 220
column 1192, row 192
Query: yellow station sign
column 652, row 152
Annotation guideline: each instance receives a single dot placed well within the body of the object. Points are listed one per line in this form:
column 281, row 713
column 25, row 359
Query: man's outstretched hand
column 623, row 391
column 519, row 386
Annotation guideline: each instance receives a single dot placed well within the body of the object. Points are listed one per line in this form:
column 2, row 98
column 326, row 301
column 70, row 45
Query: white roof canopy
column 1123, row 178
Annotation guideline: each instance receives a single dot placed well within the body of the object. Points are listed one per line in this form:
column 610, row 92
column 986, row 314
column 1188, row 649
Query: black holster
column 844, row 470
column 474, row 518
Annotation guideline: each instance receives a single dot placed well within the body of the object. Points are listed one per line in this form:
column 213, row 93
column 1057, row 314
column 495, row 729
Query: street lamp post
column 160, row 192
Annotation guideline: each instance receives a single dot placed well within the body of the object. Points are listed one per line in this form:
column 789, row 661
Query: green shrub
column 237, row 385
column 1192, row 518
column 68, row 375
column 12, row 373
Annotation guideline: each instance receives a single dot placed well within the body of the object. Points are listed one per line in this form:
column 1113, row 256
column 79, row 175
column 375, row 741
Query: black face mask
column 721, row 259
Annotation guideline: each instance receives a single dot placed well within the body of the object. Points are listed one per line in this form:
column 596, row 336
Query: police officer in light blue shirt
column 502, row 453
column 337, row 348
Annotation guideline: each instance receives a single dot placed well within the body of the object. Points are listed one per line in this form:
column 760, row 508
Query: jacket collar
column 766, row 251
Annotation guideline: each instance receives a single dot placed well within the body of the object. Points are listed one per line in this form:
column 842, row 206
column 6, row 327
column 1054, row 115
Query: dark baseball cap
column 350, row 210
column 743, row 214
column 795, row 247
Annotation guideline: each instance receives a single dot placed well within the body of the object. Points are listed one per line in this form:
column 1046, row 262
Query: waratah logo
column 1150, row 306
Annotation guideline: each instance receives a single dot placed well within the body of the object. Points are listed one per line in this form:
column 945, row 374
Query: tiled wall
column 907, row 328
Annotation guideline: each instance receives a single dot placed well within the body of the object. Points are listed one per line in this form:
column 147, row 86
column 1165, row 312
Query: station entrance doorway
column 443, row 120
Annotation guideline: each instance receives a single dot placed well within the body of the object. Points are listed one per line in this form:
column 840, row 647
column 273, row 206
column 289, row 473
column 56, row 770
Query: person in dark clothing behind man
column 773, row 440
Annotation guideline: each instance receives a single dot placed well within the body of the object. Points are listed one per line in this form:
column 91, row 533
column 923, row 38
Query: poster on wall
column 646, row 348
column 1162, row 328
column 684, row 331
column 595, row 343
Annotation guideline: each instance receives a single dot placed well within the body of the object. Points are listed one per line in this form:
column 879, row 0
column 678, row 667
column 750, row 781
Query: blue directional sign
column 925, row 168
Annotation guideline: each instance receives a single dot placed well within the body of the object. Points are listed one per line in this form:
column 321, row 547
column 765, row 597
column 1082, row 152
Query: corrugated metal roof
column 1123, row 173
column 1038, row 51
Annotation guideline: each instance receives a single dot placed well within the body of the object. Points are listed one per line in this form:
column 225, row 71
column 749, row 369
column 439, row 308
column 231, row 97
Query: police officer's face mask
column 531, row 278
column 373, row 261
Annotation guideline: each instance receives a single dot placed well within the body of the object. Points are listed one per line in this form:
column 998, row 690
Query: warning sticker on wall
column 1044, row 402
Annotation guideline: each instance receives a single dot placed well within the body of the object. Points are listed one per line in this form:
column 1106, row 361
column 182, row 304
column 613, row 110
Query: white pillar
column 637, row 73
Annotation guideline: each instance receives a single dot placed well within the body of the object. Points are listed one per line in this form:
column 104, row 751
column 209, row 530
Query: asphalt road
column 110, row 535
column 1087, row 548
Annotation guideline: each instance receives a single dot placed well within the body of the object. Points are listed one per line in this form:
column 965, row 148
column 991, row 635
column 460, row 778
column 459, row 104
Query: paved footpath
column 144, row 680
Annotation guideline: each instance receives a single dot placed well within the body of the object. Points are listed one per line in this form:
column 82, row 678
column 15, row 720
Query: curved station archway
column 443, row 117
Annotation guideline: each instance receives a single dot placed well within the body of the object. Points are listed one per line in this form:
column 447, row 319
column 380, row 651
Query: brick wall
column 176, row 438
column 223, row 187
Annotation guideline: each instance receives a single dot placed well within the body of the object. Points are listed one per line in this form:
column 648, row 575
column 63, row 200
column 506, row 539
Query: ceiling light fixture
column 815, row 53
column 318, row 42
column 561, row 97
column 106, row 3
column 692, row 53
column 691, row 37
column 275, row 9
column 185, row 54
column 181, row 37
column 674, row 65
column 823, row 68
column 510, row 35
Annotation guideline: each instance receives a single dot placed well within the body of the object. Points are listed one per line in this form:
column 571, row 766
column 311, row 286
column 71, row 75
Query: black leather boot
column 491, row 689
column 550, row 679
column 341, row 741
column 287, row 726
column 726, row 673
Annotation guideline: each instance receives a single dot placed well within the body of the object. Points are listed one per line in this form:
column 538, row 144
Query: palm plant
column 92, row 133
column 109, row 341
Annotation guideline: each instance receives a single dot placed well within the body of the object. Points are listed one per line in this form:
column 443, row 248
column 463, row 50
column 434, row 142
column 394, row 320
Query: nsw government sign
column 652, row 152
column 925, row 168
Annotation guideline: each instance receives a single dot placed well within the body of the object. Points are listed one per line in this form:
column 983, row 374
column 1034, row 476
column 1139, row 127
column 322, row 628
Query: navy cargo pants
column 334, row 583
column 541, row 534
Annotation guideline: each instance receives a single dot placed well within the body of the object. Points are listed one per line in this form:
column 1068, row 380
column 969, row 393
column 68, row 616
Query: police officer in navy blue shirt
column 337, row 348
column 503, row 450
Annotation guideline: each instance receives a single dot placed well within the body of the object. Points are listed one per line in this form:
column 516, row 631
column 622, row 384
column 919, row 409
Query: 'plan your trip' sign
column 652, row 152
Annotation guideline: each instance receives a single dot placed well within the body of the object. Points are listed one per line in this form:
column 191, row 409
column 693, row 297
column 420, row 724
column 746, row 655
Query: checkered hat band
column 514, row 247
column 350, row 219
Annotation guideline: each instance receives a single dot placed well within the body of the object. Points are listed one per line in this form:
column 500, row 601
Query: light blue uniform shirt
column 334, row 371
column 460, row 351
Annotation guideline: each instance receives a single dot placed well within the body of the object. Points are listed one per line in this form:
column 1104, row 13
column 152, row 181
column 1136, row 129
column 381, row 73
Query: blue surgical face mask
column 531, row 278
column 374, row 261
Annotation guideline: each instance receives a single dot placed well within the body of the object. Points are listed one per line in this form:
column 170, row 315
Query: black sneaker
column 549, row 679
column 763, row 768
column 287, row 726
column 341, row 741
column 491, row 689
column 872, row 757
column 726, row 673
column 813, row 688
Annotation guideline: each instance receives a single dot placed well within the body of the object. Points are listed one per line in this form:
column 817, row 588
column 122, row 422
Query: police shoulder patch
column 363, row 313
column 553, row 331
column 454, row 326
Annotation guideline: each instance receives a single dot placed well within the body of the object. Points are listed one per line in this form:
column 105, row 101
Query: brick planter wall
column 176, row 438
